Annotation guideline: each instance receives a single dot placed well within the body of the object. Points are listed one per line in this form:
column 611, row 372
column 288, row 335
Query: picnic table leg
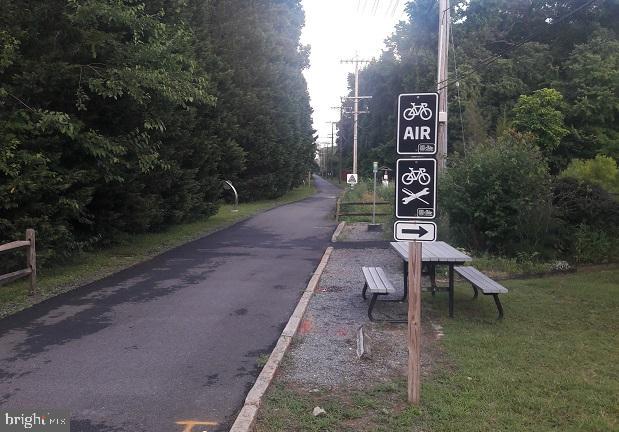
column 498, row 305
column 451, row 291
column 405, row 271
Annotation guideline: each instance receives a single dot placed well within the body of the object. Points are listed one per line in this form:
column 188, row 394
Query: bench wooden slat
column 385, row 280
column 480, row 280
column 373, row 286
column 377, row 280
column 380, row 286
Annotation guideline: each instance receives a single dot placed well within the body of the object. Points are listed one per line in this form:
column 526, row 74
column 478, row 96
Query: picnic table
column 433, row 254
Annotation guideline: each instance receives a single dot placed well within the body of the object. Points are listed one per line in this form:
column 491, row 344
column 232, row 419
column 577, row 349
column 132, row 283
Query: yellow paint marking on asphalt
column 189, row 424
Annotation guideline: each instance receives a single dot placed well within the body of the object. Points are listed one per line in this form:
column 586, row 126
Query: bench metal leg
column 371, row 307
column 474, row 289
column 365, row 288
column 498, row 305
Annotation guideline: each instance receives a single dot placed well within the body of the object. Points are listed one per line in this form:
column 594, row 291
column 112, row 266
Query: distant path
column 173, row 339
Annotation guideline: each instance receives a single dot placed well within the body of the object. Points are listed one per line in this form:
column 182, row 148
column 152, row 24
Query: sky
column 339, row 30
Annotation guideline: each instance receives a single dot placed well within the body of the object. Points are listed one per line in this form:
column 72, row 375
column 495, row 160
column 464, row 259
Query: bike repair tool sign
column 414, row 231
column 417, row 123
column 415, row 193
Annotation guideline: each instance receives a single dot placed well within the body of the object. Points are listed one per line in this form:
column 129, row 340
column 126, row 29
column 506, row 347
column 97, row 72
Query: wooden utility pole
column 356, row 111
column 341, row 144
column 444, row 22
column 414, row 322
column 332, row 144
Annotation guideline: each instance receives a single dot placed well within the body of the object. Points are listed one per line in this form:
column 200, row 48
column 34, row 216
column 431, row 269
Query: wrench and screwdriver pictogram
column 413, row 196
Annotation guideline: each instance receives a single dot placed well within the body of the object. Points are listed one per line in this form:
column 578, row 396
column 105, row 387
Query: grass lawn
column 551, row 365
column 94, row 265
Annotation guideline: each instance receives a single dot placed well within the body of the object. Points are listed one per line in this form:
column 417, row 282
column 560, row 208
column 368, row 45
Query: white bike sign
column 417, row 124
column 413, row 175
column 420, row 110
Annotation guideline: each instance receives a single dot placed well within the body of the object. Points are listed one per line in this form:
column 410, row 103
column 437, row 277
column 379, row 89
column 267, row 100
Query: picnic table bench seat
column 377, row 283
column 483, row 283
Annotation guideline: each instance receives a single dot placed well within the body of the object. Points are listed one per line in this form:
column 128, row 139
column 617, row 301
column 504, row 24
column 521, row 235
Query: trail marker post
column 374, row 226
column 415, row 207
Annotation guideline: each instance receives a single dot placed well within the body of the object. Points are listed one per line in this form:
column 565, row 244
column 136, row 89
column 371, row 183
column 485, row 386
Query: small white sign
column 352, row 179
column 414, row 231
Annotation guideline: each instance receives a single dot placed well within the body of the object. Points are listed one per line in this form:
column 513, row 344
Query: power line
column 447, row 82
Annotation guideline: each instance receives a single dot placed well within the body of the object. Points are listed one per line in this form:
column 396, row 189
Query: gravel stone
column 323, row 352
column 358, row 231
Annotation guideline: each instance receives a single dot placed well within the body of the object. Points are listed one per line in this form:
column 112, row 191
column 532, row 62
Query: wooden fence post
column 31, row 260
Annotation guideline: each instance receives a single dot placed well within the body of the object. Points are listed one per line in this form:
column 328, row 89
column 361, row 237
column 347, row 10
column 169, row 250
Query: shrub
column 498, row 197
column 588, row 218
column 602, row 171
column 594, row 246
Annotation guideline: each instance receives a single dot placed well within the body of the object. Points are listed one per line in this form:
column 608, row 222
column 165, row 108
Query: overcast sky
column 337, row 30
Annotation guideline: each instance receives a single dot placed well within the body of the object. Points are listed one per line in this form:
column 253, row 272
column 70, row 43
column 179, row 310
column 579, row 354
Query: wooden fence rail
column 339, row 209
column 31, row 261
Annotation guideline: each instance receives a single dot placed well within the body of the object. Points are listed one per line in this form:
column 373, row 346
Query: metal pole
column 374, row 205
column 356, row 117
column 443, row 48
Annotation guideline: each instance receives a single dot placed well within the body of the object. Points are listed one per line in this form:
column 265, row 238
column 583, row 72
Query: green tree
column 592, row 88
column 540, row 114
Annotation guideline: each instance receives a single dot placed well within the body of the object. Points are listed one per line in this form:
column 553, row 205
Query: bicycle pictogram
column 415, row 110
column 419, row 175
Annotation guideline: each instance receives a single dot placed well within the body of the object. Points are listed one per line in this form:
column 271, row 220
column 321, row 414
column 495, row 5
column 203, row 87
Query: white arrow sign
column 414, row 231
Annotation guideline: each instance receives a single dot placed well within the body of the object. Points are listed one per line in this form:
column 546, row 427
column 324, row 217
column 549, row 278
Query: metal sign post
column 375, row 168
column 374, row 226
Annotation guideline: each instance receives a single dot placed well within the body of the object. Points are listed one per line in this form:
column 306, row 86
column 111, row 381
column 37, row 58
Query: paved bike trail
column 174, row 339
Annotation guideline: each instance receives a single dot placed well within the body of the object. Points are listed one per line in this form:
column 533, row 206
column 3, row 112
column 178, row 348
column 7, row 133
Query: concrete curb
column 246, row 418
column 338, row 231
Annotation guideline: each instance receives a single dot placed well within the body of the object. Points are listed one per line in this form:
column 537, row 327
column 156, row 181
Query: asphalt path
column 171, row 340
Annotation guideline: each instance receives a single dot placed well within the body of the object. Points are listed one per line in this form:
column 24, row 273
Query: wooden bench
column 377, row 284
column 483, row 283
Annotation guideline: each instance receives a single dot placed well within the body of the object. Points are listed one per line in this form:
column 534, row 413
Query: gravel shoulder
column 324, row 352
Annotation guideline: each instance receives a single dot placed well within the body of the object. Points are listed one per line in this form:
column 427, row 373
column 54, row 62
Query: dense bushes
column 119, row 117
column 498, row 197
